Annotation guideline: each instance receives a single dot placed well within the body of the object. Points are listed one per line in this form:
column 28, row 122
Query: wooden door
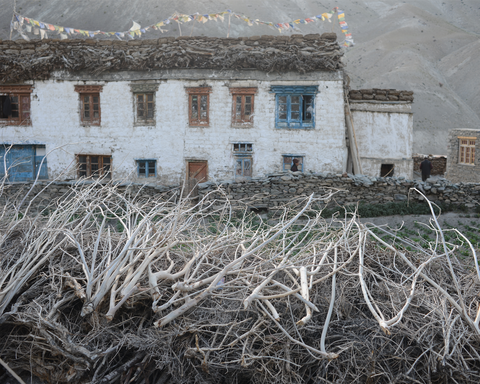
column 197, row 170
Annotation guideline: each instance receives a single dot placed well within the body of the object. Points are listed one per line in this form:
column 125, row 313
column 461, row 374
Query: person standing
column 426, row 167
column 294, row 167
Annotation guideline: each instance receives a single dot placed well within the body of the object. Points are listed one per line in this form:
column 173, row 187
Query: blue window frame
column 147, row 168
column 23, row 162
column 295, row 106
column 243, row 167
column 288, row 162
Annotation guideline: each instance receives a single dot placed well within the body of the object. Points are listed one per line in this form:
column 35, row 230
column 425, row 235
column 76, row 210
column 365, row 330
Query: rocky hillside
column 431, row 47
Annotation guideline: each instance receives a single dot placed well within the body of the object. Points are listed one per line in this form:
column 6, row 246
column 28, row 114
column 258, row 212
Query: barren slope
column 428, row 46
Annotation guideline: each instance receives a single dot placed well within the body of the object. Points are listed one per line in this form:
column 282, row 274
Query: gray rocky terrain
column 429, row 46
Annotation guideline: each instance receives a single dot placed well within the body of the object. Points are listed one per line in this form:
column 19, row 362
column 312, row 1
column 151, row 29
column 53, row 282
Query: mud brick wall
column 380, row 95
column 439, row 164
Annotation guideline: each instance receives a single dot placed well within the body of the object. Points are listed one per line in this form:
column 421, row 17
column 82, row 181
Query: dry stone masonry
column 277, row 189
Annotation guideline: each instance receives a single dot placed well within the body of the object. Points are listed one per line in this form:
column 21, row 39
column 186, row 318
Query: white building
column 200, row 108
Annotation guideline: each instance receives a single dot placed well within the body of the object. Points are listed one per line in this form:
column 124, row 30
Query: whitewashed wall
column 384, row 133
column 55, row 114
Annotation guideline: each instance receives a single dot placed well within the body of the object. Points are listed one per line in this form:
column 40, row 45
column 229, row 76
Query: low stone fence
column 275, row 190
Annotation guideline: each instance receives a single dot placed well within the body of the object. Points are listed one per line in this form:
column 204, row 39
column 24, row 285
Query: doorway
column 197, row 172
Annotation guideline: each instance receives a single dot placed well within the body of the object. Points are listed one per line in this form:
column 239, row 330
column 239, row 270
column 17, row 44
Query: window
column 147, row 168
column 94, row 166
column 145, row 107
column 90, row 113
column 295, row 106
column 243, row 167
column 242, row 147
column 23, row 162
column 144, row 102
column 290, row 160
column 243, row 160
column 15, row 105
column 198, row 106
column 243, row 106
column 467, row 150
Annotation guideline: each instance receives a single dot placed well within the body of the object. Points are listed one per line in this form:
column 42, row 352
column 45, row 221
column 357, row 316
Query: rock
column 286, row 178
column 400, row 197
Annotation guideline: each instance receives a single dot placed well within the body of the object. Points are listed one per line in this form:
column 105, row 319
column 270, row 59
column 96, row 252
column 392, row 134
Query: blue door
column 19, row 161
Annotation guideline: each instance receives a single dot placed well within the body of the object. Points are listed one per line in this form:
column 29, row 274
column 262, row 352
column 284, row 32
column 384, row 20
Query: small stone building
column 463, row 155
column 383, row 124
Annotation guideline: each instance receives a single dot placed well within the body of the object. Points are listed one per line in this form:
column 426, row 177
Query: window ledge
column 144, row 124
column 468, row 165
column 198, row 126
column 296, row 128
column 240, row 125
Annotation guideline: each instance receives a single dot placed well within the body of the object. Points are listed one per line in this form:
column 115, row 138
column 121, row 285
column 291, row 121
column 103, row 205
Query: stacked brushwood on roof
column 377, row 94
column 34, row 60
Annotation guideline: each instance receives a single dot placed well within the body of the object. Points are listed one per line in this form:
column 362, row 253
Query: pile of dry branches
column 105, row 287
column 35, row 60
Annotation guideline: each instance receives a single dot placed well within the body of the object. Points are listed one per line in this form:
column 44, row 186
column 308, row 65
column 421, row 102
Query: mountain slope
column 428, row 46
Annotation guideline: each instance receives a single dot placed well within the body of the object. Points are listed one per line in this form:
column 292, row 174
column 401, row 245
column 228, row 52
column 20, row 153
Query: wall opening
column 386, row 170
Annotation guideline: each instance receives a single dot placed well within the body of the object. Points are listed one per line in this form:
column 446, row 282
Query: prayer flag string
column 24, row 25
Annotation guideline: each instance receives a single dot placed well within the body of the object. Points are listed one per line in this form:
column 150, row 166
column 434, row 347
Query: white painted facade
column 384, row 134
column 55, row 115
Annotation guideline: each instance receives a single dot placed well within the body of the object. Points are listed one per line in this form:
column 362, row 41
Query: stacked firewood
column 22, row 60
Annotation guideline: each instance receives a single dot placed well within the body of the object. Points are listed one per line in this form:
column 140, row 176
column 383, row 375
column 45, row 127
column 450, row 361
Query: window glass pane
column 150, row 97
column 249, row 147
column 295, row 116
column 95, row 99
column 248, row 110
column 140, row 98
column 151, row 169
column 295, row 99
column 239, row 168
column 247, row 168
column 248, row 99
column 96, row 115
column 295, row 107
column 282, row 108
column 150, row 113
column 106, row 160
column 282, row 99
column 236, row 147
column 194, row 107
column 141, row 168
column 86, row 99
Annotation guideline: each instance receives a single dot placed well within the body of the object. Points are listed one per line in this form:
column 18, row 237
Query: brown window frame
column 146, row 119
column 91, row 91
column 198, row 92
column 466, row 150
column 243, row 93
column 88, row 168
column 22, row 93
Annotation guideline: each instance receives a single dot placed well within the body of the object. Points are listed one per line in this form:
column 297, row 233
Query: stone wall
column 439, row 164
column 277, row 189
column 457, row 172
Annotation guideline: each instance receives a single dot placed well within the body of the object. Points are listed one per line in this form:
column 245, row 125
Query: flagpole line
column 13, row 17
column 229, row 19
column 193, row 25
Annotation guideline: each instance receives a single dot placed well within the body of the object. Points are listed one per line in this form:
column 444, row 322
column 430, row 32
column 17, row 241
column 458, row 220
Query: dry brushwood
column 38, row 59
column 105, row 287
